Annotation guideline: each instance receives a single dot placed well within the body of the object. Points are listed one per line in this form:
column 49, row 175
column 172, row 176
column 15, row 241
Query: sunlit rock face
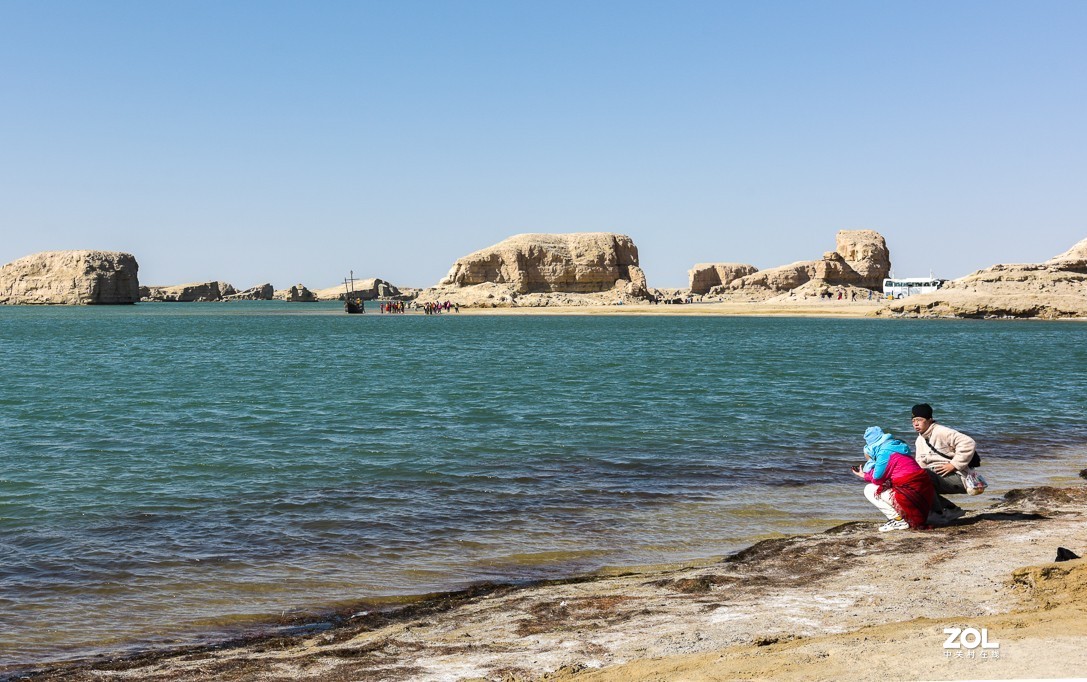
column 1054, row 289
column 188, row 293
column 577, row 263
column 861, row 259
column 71, row 278
column 705, row 276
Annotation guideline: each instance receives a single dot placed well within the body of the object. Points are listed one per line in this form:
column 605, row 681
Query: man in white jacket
column 944, row 452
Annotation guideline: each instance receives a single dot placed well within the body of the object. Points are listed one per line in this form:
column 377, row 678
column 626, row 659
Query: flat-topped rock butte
column 588, row 268
column 71, row 278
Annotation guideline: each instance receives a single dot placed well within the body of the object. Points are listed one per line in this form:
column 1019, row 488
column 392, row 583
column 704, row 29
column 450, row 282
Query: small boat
column 352, row 300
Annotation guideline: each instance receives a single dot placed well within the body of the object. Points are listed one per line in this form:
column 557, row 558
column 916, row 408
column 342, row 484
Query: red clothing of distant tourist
column 911, row 486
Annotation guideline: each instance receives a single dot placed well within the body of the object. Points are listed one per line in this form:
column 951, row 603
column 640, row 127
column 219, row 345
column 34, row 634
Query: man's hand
column 944, row 468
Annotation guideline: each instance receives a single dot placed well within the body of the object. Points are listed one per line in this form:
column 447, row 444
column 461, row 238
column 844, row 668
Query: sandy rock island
column 581, row 268
column 1054, row 289
column 71, row 278
column 593, row 272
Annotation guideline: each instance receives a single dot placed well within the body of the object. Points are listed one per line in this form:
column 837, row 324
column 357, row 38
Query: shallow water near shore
column 168, row 472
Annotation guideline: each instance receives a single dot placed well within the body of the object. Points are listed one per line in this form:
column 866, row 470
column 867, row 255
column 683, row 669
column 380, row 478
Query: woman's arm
column 879, row 471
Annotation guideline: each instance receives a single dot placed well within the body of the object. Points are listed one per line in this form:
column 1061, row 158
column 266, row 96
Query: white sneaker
column 894, row 524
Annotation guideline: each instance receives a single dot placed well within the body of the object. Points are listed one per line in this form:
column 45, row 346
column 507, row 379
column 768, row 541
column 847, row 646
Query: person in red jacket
column 897, row 486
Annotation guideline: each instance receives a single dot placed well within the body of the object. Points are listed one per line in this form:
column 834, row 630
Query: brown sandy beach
column 846, row 603
column 809, row 308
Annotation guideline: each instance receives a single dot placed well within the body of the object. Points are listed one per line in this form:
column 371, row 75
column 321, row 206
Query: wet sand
column 849, row 602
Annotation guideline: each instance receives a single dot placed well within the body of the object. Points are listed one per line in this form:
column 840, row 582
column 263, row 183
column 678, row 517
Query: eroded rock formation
column 1053, row 289
column 261, row 292
column 861, row 259
column 582, row 263
column 1072, row 260
column 297, row 294
column 705, row 276
column 865, row 253
column 187, row 293
column 367, row 289
column 541, row 269
column 71, row 278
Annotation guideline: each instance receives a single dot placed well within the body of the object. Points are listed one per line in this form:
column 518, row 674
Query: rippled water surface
column 170, row 472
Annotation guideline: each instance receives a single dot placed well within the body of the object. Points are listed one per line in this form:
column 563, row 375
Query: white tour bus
column 897, row 288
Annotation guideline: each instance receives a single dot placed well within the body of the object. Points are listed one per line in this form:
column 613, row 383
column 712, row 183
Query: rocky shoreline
column 848, row 602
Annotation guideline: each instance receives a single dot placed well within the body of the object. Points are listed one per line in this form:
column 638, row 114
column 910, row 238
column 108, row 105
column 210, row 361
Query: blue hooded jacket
column 880, row 446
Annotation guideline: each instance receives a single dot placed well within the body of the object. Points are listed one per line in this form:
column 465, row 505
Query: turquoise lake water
column 173, row 473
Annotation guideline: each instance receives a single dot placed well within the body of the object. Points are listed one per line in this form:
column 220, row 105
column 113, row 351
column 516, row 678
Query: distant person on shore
column 897, row 486
column 944, row 453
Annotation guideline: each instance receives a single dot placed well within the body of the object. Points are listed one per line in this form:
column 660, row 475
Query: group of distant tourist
column 357, row 305
column 672, row 300
column 439, row 307
column 909, row 489
column 841, row 294
column 392, row 307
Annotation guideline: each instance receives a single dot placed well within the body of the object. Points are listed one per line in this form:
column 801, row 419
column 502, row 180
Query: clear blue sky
column 294, row 141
